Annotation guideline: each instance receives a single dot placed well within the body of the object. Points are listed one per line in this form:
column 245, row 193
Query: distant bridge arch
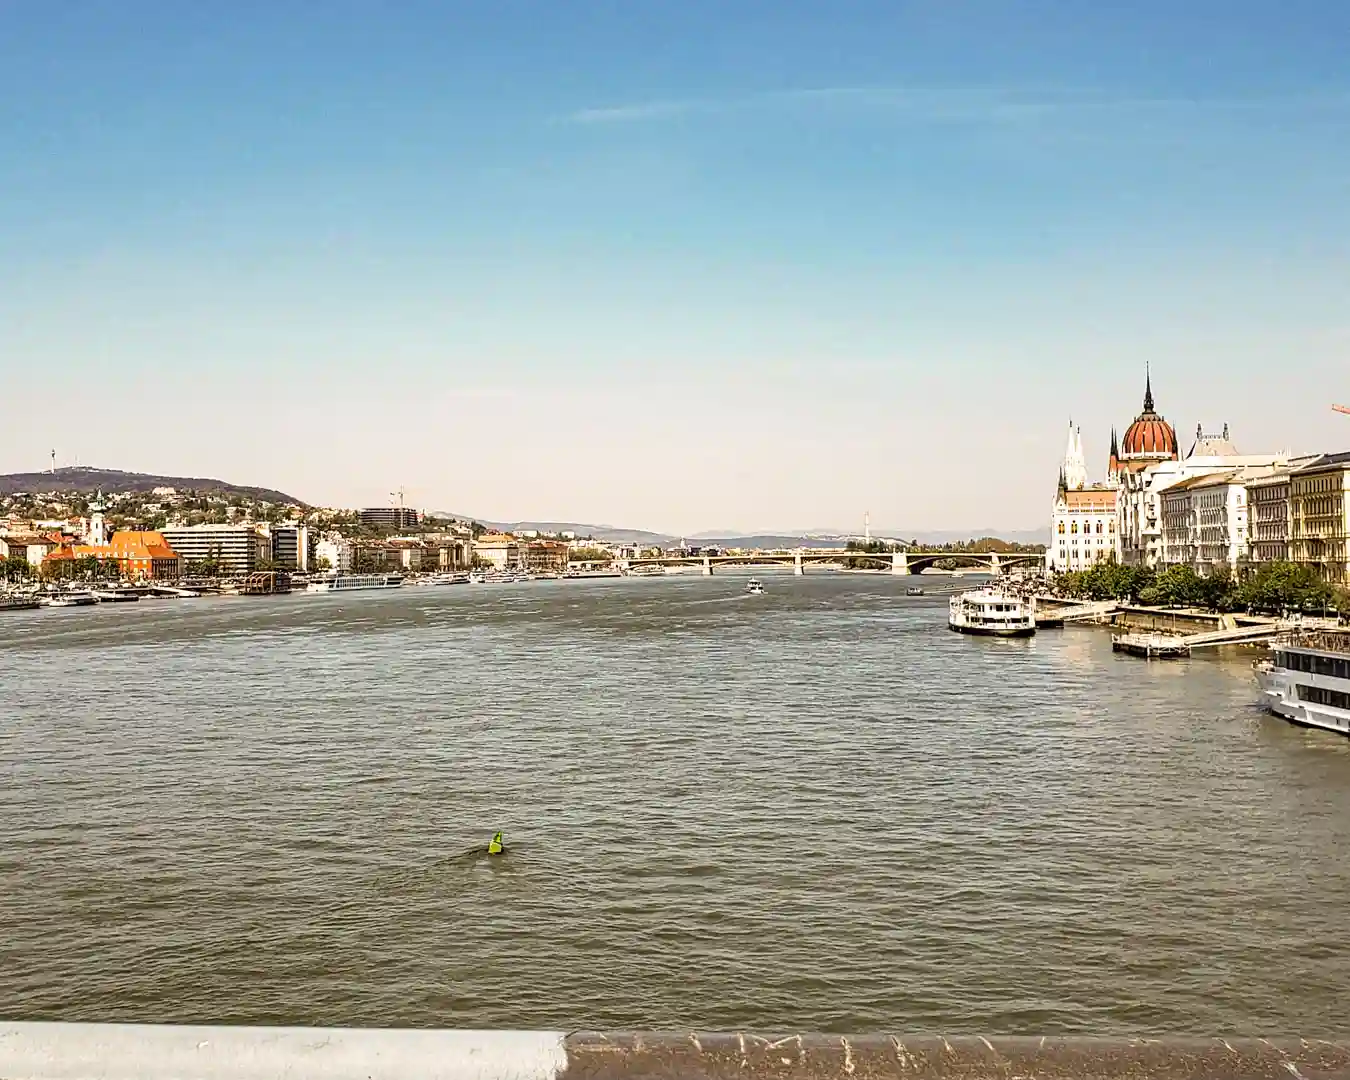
column 900, row 562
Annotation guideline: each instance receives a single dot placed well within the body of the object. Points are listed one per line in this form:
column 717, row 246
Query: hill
column 607, row 533
column 86, row 480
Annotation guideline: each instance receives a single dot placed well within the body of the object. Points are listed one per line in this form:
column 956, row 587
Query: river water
column 815, row 809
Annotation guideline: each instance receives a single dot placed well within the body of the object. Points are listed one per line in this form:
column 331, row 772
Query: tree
column 16, row 568
column 589, row 554
column 322, row 563
column 1274, row 587
column 1176, row 586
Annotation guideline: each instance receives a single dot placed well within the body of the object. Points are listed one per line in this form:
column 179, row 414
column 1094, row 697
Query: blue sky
column 676, row 265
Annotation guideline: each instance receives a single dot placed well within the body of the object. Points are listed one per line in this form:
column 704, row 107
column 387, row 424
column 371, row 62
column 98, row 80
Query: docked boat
column 754, row 587
column 991, row 612
column 353, row 582
column 1306, row 679
column 116, row 596
column 71, row 598
column 19, row 603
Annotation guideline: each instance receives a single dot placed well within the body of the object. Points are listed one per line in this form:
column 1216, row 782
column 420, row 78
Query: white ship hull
column 1307, row 681
column 991, row 613
column 355, row 583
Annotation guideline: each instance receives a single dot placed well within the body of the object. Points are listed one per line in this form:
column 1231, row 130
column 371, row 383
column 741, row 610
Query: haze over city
column 687, row 267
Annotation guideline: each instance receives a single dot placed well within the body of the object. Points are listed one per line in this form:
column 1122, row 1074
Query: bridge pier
column 797, row 567
column 707, row 566
column 995, row 567
column 899, row 562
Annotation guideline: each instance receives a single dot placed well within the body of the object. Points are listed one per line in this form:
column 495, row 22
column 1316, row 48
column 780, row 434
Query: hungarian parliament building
column 1212, row 508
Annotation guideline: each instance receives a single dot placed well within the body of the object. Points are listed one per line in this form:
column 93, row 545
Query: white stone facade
column 1083, row 529
column 336, row 552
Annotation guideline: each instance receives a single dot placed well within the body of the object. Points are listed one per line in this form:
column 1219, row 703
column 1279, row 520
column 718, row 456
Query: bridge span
column 900, row 562
column 76, row 1051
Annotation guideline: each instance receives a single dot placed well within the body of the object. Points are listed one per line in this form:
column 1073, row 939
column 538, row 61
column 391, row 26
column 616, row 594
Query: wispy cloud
column 955, row 105
column 647, row 110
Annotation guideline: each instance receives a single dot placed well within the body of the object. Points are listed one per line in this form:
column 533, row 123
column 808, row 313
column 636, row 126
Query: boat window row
column 1318, row 695
column 1334, row 667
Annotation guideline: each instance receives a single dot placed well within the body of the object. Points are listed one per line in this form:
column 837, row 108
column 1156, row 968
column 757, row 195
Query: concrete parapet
column 57, row 1051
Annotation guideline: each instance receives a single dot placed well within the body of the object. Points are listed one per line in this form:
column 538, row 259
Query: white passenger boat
column 19, row 603
column 70, row 598
column 993, row 612
column 353, row 582
column 1306, row 679
column 754, row 587
column 115, row 596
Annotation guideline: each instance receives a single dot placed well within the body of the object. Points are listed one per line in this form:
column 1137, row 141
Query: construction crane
column 399, row 495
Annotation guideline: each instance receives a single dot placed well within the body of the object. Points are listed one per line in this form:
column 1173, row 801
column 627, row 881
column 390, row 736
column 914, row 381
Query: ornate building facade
column 1164, row 509
column 1083, row 527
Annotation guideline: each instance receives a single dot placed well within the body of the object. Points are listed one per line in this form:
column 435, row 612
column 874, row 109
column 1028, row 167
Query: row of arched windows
column 1087, row 528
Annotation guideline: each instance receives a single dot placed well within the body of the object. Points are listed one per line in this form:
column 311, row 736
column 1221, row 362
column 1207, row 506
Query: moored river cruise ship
column 351, row 582
column 992, row 612
column 1306, row 679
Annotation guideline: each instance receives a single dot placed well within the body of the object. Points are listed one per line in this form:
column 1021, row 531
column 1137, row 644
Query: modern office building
column 290, row 546
column 393, row 517
column 236, row 548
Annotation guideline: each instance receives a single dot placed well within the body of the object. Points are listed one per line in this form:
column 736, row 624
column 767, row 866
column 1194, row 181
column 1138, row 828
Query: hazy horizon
column 666, row 266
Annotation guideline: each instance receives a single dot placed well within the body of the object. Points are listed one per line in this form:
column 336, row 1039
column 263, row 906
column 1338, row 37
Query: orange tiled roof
column 1091, row 499
column 141, row 545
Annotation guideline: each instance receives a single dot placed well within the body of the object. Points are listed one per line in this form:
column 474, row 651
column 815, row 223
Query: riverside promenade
column 73, row 1051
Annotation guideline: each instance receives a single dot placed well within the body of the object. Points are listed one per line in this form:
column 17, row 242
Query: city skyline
column 676, row 270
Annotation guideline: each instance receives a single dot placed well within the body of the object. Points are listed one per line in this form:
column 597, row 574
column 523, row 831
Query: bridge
column 899, row 562
column 78, row 1051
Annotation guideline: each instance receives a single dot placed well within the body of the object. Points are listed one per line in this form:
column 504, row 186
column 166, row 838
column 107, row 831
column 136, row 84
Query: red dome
column 1150, row 435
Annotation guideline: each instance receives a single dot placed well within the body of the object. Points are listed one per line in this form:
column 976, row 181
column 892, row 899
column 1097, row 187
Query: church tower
column 1074, row 469
column 98, row 529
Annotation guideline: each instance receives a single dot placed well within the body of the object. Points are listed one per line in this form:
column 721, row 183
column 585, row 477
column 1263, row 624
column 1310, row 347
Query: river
column 811, row 810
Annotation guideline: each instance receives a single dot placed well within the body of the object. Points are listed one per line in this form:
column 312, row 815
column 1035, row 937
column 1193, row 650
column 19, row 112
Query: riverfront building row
column 1214, row 507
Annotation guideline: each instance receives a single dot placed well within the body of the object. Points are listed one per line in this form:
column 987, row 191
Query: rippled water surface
column 813, row 809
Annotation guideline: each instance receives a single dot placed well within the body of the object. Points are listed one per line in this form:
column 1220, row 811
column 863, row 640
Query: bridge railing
column 61, row 1051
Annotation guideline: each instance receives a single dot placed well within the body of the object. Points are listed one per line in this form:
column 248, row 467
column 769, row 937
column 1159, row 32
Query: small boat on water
column 71, row 598
column 754, row 587
column 115, row 596
column 914, row 590
column 19, row 603
column 991, row 612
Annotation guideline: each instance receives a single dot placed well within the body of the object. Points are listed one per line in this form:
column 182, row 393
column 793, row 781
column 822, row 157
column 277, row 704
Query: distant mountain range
column 87, row 480
column 723, row 538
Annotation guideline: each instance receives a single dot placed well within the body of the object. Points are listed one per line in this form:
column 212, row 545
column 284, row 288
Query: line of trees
column 17, row 568
column 1267, row 588
column 589, row 554
column 87, row 568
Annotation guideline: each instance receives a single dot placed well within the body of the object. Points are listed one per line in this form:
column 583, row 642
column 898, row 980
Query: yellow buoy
column 495, row 847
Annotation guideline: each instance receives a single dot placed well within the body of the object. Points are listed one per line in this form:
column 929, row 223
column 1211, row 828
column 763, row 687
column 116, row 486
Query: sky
column 671, row 264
